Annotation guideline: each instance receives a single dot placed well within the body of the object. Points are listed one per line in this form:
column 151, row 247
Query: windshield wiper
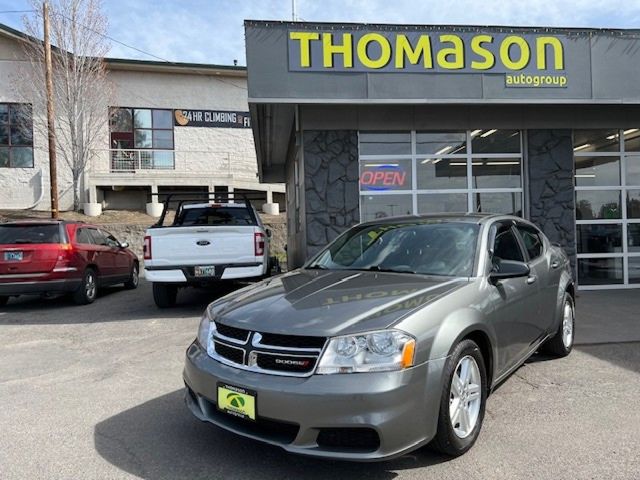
column 317, row 267
column 378, row 268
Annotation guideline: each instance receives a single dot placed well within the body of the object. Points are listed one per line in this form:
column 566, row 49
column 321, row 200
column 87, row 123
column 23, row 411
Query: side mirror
column 268, row 232
column 124, row 245
column 508, row 269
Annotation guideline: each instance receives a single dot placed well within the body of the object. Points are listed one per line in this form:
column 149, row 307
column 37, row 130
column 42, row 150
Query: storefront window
column 597, row 171
column 607, row 179
column 385, row 143
column 450, row 171
column 381, row 206
column 441, row 173
column 495, row 141
column 498, row 202
column 441, row 143
column 16, row 136
column 442, row 202
column 598, row 204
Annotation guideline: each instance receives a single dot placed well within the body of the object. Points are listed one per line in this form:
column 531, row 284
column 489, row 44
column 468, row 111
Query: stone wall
column 331, row 185
column 551, row 190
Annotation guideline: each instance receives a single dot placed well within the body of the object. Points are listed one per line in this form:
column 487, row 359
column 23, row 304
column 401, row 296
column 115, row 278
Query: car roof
column 440, row 217
column 46, row 221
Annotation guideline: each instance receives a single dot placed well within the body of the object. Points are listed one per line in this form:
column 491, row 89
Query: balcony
column 239, row 165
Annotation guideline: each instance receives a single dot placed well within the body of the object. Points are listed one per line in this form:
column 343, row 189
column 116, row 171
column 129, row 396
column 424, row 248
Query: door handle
column 555, row 264
column 532, row 279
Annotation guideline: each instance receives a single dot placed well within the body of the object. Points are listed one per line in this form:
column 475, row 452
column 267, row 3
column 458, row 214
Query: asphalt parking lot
column 96, row 392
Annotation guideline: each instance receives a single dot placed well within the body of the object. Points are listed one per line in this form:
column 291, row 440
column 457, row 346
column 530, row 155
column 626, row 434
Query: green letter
column 477, row 48
column 524, row 52
column 305, row 39
column 423, row 48
column 329, row 49
column 541, row 53
column 457, row 51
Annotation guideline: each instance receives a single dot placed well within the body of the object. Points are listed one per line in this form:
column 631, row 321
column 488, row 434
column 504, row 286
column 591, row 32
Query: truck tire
column 165, row 295
column 3, row 301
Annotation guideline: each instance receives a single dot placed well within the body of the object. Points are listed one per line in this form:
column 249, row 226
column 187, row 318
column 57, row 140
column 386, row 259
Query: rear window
column 12, row 234
column 215, row 216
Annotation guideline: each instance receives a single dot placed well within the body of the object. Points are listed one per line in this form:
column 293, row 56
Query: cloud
column 211, row 31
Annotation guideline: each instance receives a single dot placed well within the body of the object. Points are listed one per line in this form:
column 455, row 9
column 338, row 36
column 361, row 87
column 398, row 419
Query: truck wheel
column 165, row 295
column 3, row 301
column 88, row 290
column 134, row 278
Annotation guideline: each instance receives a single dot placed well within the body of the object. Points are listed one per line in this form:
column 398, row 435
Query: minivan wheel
column 561, row 344
column 165, row 295
column 88, row 290
column 134, row 278
column 463, row 401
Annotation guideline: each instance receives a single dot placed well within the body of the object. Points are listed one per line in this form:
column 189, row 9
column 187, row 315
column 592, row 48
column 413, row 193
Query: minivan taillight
column 146, row 248
column 64, row 260
column 259, row 243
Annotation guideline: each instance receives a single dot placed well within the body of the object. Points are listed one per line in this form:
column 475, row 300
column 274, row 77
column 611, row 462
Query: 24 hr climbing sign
column 212, row 118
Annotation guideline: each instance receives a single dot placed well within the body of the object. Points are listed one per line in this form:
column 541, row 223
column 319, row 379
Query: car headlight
column 380, row 351
column 204, row 330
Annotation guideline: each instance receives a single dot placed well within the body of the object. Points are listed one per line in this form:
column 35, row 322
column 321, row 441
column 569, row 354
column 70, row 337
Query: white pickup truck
column 206, row 243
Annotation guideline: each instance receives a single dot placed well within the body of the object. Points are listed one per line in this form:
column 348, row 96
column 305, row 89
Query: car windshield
column 427, row 248
column 14, row 234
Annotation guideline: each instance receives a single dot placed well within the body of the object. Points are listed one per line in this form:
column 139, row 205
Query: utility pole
column 53, row 170
column 294, row 15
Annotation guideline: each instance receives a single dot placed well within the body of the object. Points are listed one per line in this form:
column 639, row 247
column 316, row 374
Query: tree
column 82, row 90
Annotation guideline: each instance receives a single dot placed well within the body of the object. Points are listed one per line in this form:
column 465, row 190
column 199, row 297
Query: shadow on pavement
column 112, row 304
column 160, row 440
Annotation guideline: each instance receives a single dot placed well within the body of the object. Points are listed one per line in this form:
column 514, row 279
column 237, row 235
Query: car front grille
column 277, row 354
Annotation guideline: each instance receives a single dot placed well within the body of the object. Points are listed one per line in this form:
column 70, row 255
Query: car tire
column 165, row 295
column 88, row 289
column 561, row 344
column 462, row 407
column 134, row 277
column 3, row 301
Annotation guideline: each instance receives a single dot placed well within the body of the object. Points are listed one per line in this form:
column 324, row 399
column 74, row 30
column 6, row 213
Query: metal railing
column 132, row 160
column 241, row 164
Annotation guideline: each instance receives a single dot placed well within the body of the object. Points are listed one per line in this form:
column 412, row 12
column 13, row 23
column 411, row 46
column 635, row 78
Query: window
column 83, row 236
column 422, row 172
column 110, row 240
column 141, row 138
column 532, row 241
column 97, row 237
column 16, row 136
column 607, row 190
column 506, row 245
column 216, row 216
column 24, row 234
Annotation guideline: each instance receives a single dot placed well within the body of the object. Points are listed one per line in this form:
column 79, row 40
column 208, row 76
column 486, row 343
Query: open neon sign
column 383, row 177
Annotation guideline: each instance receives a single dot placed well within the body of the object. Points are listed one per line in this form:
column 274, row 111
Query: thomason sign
column 537, row 58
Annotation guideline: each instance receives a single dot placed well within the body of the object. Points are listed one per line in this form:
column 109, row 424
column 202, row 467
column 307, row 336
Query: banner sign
column 211, row 118
column 525, row 59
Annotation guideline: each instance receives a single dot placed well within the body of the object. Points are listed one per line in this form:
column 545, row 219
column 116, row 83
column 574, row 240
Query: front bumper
column 401, row 407
column 32, row 287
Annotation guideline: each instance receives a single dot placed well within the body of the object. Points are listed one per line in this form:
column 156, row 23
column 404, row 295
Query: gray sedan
column 391, row 338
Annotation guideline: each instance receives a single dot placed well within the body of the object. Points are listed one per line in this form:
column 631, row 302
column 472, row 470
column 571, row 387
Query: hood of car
column 329, row 303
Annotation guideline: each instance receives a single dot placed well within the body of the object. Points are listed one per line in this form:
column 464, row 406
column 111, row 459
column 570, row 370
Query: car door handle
column 555, row 264
column 532, row 279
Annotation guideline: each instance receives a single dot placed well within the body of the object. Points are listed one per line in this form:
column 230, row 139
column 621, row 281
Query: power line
column 148, row 53
column 17, row 11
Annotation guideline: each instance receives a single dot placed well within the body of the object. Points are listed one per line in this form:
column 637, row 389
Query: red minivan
column 56, row 257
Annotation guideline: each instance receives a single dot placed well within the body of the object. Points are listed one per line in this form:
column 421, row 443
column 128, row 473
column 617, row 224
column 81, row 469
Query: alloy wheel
column 465, row 396
column 90, row 286
column 567, row 325
column 135, row 276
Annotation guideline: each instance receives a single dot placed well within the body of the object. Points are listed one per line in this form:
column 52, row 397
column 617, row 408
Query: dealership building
column 369, row 121
column 167, row 127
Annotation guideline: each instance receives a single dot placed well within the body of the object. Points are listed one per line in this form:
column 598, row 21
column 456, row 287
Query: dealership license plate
column 237, row 401
column 13, row 256
column 209, row 271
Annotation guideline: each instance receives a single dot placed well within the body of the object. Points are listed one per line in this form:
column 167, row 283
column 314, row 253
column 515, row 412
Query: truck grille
column 277, row 354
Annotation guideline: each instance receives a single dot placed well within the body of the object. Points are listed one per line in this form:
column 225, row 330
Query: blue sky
column 211, row 31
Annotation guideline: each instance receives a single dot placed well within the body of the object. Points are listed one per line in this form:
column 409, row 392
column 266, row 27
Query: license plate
column 237, row 401
column 13, row 256
column 205, row 271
